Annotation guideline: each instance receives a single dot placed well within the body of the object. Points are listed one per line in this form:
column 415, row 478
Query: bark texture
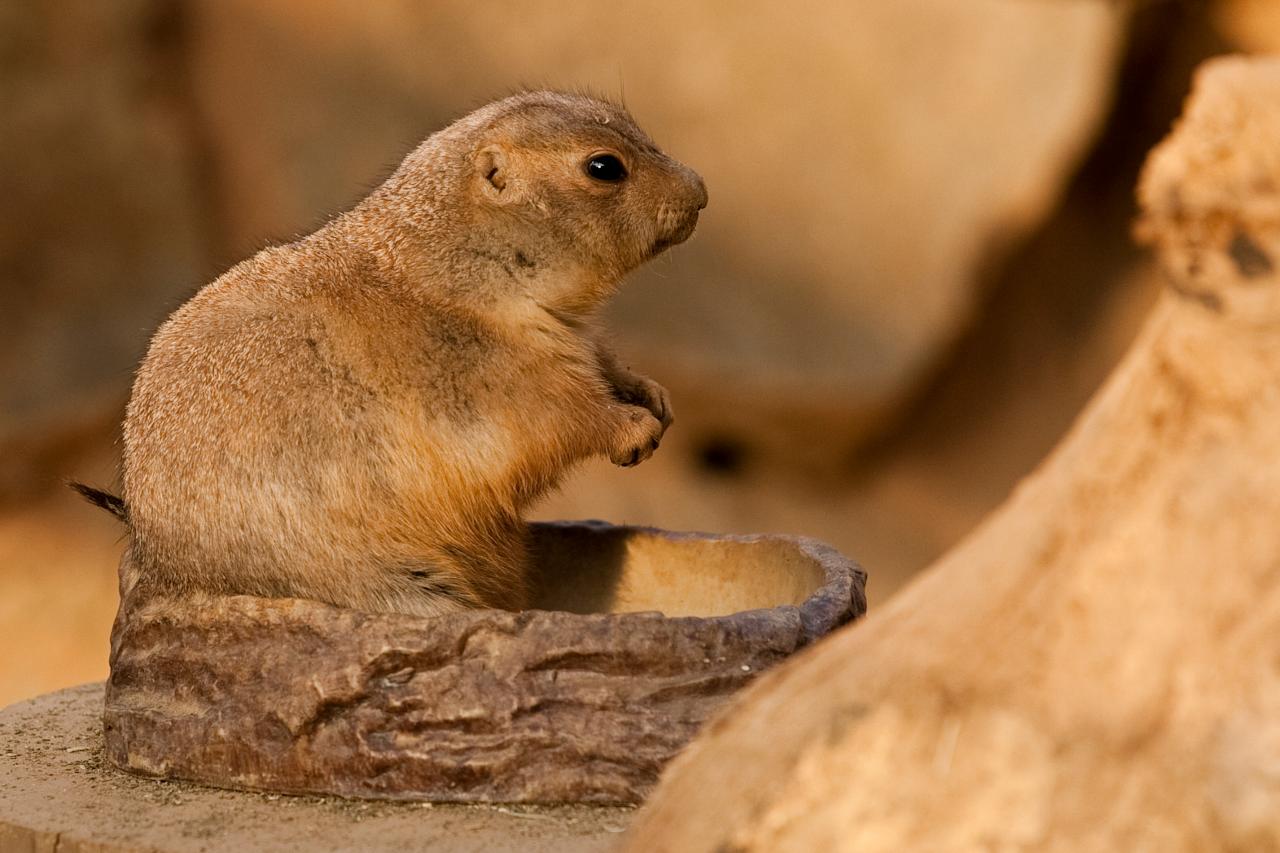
column 59, row 795
column 484, row 706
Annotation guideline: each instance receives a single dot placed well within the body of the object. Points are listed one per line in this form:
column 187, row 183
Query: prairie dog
column 360, row 417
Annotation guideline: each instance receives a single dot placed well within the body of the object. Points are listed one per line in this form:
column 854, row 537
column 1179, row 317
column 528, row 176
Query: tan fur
column 362, row 416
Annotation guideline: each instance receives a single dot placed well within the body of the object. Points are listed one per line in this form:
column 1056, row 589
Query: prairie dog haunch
column 360, row 417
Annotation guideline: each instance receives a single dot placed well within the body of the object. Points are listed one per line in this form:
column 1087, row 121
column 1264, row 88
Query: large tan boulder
column 864, row 159
column 1094, row 668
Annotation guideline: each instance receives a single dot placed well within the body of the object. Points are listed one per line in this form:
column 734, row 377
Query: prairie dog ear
column 493, row 172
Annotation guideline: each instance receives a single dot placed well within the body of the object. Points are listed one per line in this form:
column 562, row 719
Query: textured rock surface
column 58, row 793
column 540, row 706
column 1094, row 669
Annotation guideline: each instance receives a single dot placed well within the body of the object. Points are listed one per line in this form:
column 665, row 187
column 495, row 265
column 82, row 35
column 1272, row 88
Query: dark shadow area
column 576, row 569
column 722, row 455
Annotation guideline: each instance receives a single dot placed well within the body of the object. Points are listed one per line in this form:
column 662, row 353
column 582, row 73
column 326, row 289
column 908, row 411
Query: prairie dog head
column 575, row 191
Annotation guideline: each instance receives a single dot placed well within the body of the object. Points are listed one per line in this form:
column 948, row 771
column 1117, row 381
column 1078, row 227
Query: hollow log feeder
column 1097, row 667
column 582, row 701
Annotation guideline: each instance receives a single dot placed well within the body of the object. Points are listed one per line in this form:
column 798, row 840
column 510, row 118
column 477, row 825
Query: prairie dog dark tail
column 111, row 503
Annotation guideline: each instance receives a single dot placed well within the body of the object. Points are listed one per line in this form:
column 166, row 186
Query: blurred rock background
column 915, row 268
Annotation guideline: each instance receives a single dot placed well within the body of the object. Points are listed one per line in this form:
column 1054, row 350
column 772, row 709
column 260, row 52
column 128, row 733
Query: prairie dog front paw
column 638, row 434
column 636, row 390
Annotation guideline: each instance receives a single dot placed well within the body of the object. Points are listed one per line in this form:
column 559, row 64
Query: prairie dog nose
column 699, row 190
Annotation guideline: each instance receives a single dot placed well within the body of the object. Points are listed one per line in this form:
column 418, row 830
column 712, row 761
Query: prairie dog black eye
column 605, row 167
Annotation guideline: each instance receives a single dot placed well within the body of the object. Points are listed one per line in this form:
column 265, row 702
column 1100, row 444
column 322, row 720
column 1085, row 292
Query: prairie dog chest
column 540, row 394
column 501, row 402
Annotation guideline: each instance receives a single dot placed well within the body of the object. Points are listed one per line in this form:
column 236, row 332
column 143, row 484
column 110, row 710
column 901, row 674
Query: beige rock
column 1094, row 668
column 864, row 160
column 583, row 703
